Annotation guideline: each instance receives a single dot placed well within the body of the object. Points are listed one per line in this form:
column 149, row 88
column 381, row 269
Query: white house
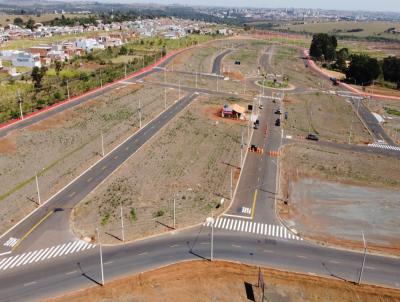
column 24, row 59
column 88, row 44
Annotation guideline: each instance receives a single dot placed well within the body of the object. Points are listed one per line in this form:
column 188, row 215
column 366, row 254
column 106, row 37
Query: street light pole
column 37, row 188
column 101, row 257
column 241, row 149
column 101, row 79
column 102, row 144
column 210, row 220
column 174, row 211
column 196, row 79
column 363, row 262
column 165, row 97
column 125, row 70
column 179, row 88
column 140, row 115
column 68, row 90
column 20, row 105
column 231, row 184
column 122, row 226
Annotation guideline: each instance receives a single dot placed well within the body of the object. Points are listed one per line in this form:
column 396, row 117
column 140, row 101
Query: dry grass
column 224, row 281
column 189, row 160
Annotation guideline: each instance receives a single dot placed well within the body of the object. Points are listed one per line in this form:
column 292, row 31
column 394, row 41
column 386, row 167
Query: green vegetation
column 363, row 69
column 132, row 215
column 372, row 31
column 105, row 219
column 391, row 70
column 46, row 87
column 159, row 213
column 273, row 84
column 323, row 47
column 392, row 111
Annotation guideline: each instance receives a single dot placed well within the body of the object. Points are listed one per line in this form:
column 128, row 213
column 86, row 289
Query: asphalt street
column 216, row 68
column 70, row 273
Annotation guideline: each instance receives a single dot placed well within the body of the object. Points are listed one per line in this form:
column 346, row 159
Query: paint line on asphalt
column 234, row 245
column 301, row 256
column 144, row 253
column 70, row 273
column 72, row 194
column 104, row 167
column 254, row 204
column 268, row 251
column 174, row 245
column 108, row 262
column 30, row 283
column 89, row 179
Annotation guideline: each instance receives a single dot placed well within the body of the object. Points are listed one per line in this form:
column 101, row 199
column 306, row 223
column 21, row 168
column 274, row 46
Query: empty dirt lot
column 189, row 160
column 328, row 116
column 224, row 281
column 334, row 195
column 61, row 147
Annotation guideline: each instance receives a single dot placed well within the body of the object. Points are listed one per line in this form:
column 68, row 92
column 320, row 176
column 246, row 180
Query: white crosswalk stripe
column 270, row 230
column 384, row 146
column 11, row 242
column 43, row 254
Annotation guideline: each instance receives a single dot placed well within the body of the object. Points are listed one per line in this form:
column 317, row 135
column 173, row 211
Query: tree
column 123, row 50
column 30, row 24
column 341, row 57
column 18, row 21
column 391, row 70
column 58, row 67
column 37, row 76
column 363, row 69
column 323, row 46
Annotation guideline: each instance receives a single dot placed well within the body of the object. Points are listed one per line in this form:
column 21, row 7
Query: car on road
column 312, row 137
column 255, row 126
column 278, row 122
column 278, row 111
column 261, row 107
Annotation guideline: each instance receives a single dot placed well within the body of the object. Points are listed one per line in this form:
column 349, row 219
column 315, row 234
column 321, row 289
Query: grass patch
column 392, row 111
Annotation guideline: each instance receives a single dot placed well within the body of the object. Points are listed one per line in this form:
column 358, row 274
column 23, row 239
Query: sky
column 371, row 5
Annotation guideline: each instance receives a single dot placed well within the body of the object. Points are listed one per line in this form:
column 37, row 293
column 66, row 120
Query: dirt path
column 224, row 281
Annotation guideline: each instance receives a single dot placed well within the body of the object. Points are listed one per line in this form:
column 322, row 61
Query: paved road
column 58, row 209
column 216, row 68
column 70, row 273
column 255, row 194
column 77, row 101
column 369, row 120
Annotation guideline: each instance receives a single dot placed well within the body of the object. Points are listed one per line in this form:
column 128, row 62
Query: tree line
column 359, row 68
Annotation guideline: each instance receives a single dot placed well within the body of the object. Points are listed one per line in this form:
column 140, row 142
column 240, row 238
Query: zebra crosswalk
column 271, row 230
column 11, row 242
column 44, row 254
column 384, row 146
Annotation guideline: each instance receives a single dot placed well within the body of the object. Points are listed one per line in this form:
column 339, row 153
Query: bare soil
column 328, row 116
column 225, row 281
column 333, row 195
column 190, row 160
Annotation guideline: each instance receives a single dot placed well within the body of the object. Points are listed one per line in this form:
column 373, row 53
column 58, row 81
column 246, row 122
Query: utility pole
column 165, row 97
column 102, row 144
column 37, row 188
column 122, row 226
column 211, row 221
column 363, row 262
column 179, row 88
column 231, row 184
column 101, row 257
column 140, row 115
column 196, row 79
column 174, row 212
column 101, row 79
column 20, row 105
column 241, row 149
column 165, row 75
column 217, row 83
column 68, row 90
column 125, row 70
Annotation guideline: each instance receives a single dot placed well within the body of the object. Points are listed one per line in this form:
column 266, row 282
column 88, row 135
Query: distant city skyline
column 354, row 5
